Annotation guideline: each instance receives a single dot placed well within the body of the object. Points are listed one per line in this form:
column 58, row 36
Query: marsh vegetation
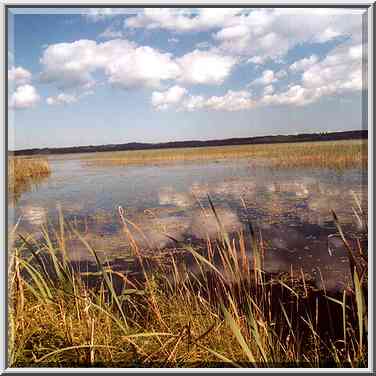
column 328, row 154
column 255, row 258
column 230, row 312
column 24, row 172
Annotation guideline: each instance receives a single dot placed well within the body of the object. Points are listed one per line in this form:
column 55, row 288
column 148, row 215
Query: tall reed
column 22, row 172
column 328, row 154
column 228, row 312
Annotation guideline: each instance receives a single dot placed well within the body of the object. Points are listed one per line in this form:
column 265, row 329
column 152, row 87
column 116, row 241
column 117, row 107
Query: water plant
column 228, row 312
column 328, row 154
column 23, row 172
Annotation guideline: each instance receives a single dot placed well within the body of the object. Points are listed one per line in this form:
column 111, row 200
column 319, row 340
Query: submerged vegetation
column 22, row 172
column 228, row 313
column 328, row 154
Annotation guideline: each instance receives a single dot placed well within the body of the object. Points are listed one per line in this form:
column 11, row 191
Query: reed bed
column 230, row 313
column 22, row 172
column 328, row 154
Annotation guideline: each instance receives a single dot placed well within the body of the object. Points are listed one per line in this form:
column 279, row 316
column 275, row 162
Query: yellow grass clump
column 22, row 172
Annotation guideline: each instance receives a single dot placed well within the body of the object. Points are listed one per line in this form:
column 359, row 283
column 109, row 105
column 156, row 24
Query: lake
column 290, row 208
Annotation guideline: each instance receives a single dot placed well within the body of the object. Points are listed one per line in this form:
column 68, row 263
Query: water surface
column 291, row 208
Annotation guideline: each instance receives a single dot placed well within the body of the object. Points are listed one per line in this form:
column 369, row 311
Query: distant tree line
column 321, row 136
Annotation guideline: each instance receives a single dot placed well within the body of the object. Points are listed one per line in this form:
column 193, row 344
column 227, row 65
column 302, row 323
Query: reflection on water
column 291, row 208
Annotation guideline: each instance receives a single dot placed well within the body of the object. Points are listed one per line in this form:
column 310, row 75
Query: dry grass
column 22, row 172
column 336, row 154
column 229, row 313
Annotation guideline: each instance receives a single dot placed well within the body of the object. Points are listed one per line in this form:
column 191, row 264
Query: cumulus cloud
column 110, row 33
column 141, row 66
column 173, row 40
column 24, row 97
column 340, row 72
column 62, row 98
column 255, row 60
column 68, row 98
column 271, row 33
column 205, row 67
column 281, row 74
column 267, row 78
column 231, row 101
column 268, row 89
column 258, row 34
column 128, row 65
column 71, row 64
column 304, row 64
column 101, row 14
column 181, row 20
column 238, row 36
column 203, row 45
column 182, row 101
column 164, row 100
column 123, row 62
column 19, row 75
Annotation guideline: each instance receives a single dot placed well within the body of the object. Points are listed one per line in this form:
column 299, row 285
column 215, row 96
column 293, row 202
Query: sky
column 115, row 75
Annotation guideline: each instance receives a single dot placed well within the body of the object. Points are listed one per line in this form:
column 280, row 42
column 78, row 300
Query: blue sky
column 100, row 76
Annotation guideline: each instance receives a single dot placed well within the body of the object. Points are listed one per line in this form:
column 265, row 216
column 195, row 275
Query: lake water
column 291, row 208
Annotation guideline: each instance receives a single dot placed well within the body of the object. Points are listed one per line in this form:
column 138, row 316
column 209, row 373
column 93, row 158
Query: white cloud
column 124, row 64
column 281, row 74
column 203, row 45
column 193, row 103
column 233, row 32
column 259, row 33
column 100, row 14
column 66, row 98
column 231, row 101
column 267, row 78
column 252, row 36
column 62, row 98
column 295, row 95
column 173, row 40
column 110, row 32
column 255, row 60
column 142, row 66
column 339, row 73
column 304, row 64
column 268, row 89
column 340, row 70
column 327, row 35
column 70, row 64
column 19, row 75
column 178, row 98
column 181, row 20
column 24, row 97
column 205, row 67
column 164, row 100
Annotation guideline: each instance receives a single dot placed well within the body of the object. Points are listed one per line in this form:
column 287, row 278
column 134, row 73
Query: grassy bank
column 228, row 313
column 22, row 172
column 336, row 154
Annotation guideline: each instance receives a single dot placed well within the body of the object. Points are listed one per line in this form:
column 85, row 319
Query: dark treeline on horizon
column 304, row 137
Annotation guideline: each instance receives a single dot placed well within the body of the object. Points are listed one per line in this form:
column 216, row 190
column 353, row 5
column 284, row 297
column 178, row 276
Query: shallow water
column 291, row 208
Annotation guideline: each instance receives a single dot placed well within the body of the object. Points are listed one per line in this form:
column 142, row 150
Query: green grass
column 336, row 154
column 230, row 313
